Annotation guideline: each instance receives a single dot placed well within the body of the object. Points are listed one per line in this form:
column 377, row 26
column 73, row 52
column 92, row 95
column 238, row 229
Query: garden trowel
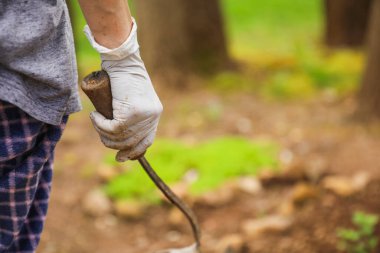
column 97, row 87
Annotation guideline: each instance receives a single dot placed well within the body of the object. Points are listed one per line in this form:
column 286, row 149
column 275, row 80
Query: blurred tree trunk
column 346, row 22
column 179, row 36
column 369, row 95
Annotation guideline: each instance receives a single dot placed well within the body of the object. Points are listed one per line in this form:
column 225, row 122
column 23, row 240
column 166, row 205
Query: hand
column 136, row 106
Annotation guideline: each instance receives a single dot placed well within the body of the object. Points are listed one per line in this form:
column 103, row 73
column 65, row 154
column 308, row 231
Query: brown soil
column 319, row 135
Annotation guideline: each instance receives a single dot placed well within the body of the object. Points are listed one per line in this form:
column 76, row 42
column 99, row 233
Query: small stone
column 173, row 236
column 303, row 192
column 287, row 208
column 129, row 209
column 231, row 243
column 360, row 180
column 338, row 185
column 274, row 223
column 176, row 217
column 286, row 157
column 250, row 185
column 346, row 186
column 244, row 125
column 96, row 203
column 105, row 222
column 106, row 172
column 219, row 197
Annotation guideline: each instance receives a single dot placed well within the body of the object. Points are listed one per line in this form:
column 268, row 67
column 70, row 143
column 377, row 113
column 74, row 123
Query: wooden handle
column 97, row 87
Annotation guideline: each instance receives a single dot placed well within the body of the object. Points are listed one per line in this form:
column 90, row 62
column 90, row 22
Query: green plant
column 214, row 162
column 361, row 239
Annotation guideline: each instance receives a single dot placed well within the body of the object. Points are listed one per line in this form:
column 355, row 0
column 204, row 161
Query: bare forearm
column 109, row 20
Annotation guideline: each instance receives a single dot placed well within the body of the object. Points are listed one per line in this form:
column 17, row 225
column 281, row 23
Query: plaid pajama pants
column 26, row 160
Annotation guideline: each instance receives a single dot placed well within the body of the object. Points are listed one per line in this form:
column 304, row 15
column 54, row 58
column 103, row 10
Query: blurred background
column 270, row 132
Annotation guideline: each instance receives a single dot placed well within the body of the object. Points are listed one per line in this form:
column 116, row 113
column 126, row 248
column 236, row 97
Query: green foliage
column 361, row 239
column 289, row 85
column 279, row 38
column 214, row 161
column 303, row 75
column 311, row 72
column 272, row 26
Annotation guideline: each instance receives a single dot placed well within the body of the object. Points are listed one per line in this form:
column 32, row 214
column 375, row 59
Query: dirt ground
column 318, row 137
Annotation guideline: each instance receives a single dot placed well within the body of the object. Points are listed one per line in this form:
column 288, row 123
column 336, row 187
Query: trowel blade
column 191, row 249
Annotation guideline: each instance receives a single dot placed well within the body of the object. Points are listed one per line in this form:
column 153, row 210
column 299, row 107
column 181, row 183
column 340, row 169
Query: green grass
column 282, row 39
column 215, row 161
column 301, row 76
column 272, row 26
column 308, row 75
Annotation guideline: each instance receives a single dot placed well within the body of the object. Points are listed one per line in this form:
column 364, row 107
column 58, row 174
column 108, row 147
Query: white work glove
column 136, row 106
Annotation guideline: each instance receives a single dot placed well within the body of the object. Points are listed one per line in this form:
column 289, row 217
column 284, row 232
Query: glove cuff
column 129, row 46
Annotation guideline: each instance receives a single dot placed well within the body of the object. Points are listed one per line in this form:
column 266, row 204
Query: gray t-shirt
column 38, row 70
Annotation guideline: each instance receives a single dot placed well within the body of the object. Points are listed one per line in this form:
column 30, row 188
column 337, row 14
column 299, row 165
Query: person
column 38, row 92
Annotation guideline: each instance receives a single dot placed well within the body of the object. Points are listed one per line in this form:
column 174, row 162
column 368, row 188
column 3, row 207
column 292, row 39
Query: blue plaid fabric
column 26, row 160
